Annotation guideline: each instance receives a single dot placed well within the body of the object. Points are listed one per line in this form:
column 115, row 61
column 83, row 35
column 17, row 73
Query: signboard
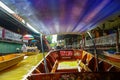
column 66, row 54
column 12, row 36
column 18, row 18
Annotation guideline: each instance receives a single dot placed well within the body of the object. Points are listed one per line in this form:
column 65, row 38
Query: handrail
column 95, row 50
column 104, row 40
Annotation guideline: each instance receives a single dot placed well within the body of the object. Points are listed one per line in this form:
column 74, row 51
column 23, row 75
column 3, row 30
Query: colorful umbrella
column 28, row 37
column 33, row 41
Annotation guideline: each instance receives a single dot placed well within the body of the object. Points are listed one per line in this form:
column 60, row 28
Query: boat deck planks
column 67, row 65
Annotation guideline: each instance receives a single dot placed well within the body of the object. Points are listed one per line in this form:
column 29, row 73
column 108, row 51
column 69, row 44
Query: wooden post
column 83, row 41
column 117, row 40
column 95, row 51
column 45, row 64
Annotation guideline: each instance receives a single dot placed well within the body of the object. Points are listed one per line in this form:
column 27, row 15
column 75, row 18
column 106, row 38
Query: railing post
column 95, row 50
column 45, row 64
column 117, row 40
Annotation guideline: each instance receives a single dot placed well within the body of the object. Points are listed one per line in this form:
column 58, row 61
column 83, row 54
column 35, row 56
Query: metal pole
column 95, row 50
column 117, row 40
column 45, row 64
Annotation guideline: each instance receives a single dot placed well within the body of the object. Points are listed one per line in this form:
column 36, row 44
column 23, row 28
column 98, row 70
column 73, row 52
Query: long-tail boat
column 74, row 65
column 7, row 61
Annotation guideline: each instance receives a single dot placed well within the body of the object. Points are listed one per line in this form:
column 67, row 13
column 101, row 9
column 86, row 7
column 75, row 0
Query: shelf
column 104, row 40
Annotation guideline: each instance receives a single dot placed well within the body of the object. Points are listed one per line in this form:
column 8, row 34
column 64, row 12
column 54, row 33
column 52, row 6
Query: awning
column 64, row 16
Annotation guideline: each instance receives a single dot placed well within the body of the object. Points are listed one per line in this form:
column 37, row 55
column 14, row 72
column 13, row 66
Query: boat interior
column 72, row 62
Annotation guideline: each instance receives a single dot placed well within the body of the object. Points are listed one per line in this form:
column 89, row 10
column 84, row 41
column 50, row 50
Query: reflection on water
column 18, row 71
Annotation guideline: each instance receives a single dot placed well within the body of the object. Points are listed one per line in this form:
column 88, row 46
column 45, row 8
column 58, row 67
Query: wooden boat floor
column 18, row 71
column 67, row 65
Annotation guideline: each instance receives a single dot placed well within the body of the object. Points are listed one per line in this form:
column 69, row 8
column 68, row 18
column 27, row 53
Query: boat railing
column 104, row 40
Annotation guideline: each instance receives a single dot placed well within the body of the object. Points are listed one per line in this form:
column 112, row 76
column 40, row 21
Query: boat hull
column 10, row 60
column 77, row 63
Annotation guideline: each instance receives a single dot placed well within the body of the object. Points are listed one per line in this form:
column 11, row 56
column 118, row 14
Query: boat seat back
column 84, row 59
column 114, row 69
column 89, row 57
column 92, row 64
column 41, row 68
column 83, row 54
column 51, row 59
column 54, row 55
column 104, row 66
column 49, row 65
column 36, row 71
column 54, row 68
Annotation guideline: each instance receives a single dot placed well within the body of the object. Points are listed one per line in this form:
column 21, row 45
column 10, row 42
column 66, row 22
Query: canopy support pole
column 45, row 64
column 117, row 40
column 95, row 50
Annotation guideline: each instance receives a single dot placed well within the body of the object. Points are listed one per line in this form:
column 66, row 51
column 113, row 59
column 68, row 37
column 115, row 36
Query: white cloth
column 24, row 48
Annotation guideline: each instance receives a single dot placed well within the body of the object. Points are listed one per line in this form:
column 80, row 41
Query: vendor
column 24, row 48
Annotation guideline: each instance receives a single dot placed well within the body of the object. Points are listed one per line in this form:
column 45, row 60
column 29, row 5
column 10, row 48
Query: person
column 18, row 50
column 24, row 48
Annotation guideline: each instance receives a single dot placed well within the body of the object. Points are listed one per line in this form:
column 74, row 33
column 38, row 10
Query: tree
column 49, row 38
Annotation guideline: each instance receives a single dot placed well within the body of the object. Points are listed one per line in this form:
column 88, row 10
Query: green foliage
column 49, row 38
column 53, row 44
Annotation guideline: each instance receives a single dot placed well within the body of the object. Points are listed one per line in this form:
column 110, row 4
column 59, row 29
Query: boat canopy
column 64, row 16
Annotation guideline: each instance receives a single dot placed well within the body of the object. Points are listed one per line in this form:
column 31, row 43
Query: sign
column 66, row 54
column 12, row 36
